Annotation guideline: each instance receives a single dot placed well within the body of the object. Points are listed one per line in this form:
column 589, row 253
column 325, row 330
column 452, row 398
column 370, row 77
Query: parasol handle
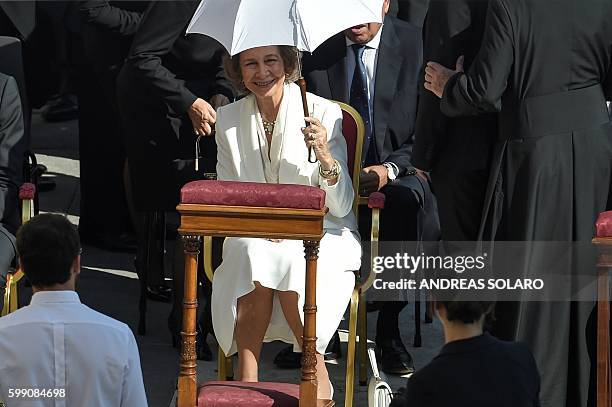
column 312, row 158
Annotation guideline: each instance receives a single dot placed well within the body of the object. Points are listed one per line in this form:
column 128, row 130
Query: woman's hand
column 315, row 135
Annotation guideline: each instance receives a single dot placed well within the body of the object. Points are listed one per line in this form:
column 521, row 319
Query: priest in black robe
column 455, row 151
column 545, row 66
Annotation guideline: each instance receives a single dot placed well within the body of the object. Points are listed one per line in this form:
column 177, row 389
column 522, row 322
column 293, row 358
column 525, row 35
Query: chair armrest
column 376, row 202
column 603, row 226
column 27, row 191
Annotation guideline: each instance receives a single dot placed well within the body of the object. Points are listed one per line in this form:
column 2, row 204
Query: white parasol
column 305, row 24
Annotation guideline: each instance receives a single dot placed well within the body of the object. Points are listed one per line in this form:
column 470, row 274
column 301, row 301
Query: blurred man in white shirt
column 57, row 351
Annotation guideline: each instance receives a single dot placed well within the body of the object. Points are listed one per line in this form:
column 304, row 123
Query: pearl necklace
column 268, row 126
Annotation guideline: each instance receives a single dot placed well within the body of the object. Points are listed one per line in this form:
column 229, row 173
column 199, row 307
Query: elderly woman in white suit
column 258, row 289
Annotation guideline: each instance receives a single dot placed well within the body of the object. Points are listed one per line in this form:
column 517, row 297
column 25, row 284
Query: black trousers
column 410, row 214
column 460, row 196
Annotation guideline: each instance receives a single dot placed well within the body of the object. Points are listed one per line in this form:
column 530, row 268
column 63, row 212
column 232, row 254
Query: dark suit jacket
column 167, row 60
column 17, row 18
column 412, row 11
column 477, row 372
column 452, row 28
column 164, row 73
column 396, row 86
column 12, row 148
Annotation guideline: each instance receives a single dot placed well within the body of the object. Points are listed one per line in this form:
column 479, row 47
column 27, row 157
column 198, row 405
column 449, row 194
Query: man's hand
column 436, row 76
column 372, row 179
column 202, row 116
column 219, row 100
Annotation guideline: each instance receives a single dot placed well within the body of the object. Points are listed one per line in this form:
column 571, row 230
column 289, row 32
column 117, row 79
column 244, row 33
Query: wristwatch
column 392, row 170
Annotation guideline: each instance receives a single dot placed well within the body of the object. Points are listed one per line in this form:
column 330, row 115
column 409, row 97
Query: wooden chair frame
column 604, row 370
column 240, row 221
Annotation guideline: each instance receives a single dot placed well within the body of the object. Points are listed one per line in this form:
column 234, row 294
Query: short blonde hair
column 289, row 55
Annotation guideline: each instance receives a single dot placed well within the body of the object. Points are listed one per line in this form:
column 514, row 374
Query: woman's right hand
column 315, row 136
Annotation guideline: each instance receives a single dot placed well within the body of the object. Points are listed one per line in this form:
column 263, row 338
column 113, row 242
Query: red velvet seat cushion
column 603, row 225
column 253, row 194
column 238, row 394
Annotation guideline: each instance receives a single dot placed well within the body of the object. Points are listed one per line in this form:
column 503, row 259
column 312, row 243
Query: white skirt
column 281, row 266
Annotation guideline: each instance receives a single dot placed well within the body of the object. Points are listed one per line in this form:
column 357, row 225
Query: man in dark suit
column 456, row 151
column 12, row 148
column 375, row 68
column 105, row 32
column 473, row 368
column 167, row 92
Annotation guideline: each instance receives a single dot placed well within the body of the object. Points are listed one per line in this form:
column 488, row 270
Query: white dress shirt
column 56, row 343
column 370, row 59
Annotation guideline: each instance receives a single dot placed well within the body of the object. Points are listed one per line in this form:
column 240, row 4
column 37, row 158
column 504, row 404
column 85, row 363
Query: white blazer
column 239, row 156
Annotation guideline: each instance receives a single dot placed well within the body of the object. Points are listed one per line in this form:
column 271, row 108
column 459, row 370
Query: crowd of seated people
column 438, row 86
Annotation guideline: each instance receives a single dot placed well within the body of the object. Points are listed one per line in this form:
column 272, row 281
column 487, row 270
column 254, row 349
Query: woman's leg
column 289, row 305
column 254, row 311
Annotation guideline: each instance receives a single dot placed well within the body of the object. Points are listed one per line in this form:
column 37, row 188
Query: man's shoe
column 288, row 359
column 61, row 109
column 333, row 350
column 161, row 293
column 124, row 242
column 394, row 358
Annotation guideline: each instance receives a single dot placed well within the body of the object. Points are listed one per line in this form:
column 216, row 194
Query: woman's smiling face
column 263, row 70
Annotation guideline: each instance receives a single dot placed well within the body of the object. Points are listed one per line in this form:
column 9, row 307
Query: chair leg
column 351, row 352
column 429, row 311
column 187, row 383
column 14, row 297
column 604, row 374
column 362, row 327
column 417, row 321
column 225, row 367
column 221, row 365
column 142, row 269
column 6, row 309
column 229, row 368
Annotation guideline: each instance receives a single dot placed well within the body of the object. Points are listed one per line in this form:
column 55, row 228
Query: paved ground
column 109, row 284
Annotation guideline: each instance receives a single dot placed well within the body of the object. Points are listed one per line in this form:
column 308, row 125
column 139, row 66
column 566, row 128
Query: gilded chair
column 11, row 63
column 11, row 297
column 353, row 131
column 603, row 239
column 224, row 208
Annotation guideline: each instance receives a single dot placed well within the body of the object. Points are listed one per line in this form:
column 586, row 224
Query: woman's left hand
column 315, row 135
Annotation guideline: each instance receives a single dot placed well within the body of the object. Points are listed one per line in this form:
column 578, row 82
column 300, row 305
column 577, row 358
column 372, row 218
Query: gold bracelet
column 332, row 173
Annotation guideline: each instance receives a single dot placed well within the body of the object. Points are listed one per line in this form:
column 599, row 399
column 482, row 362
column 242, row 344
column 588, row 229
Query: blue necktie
column 359, row 100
